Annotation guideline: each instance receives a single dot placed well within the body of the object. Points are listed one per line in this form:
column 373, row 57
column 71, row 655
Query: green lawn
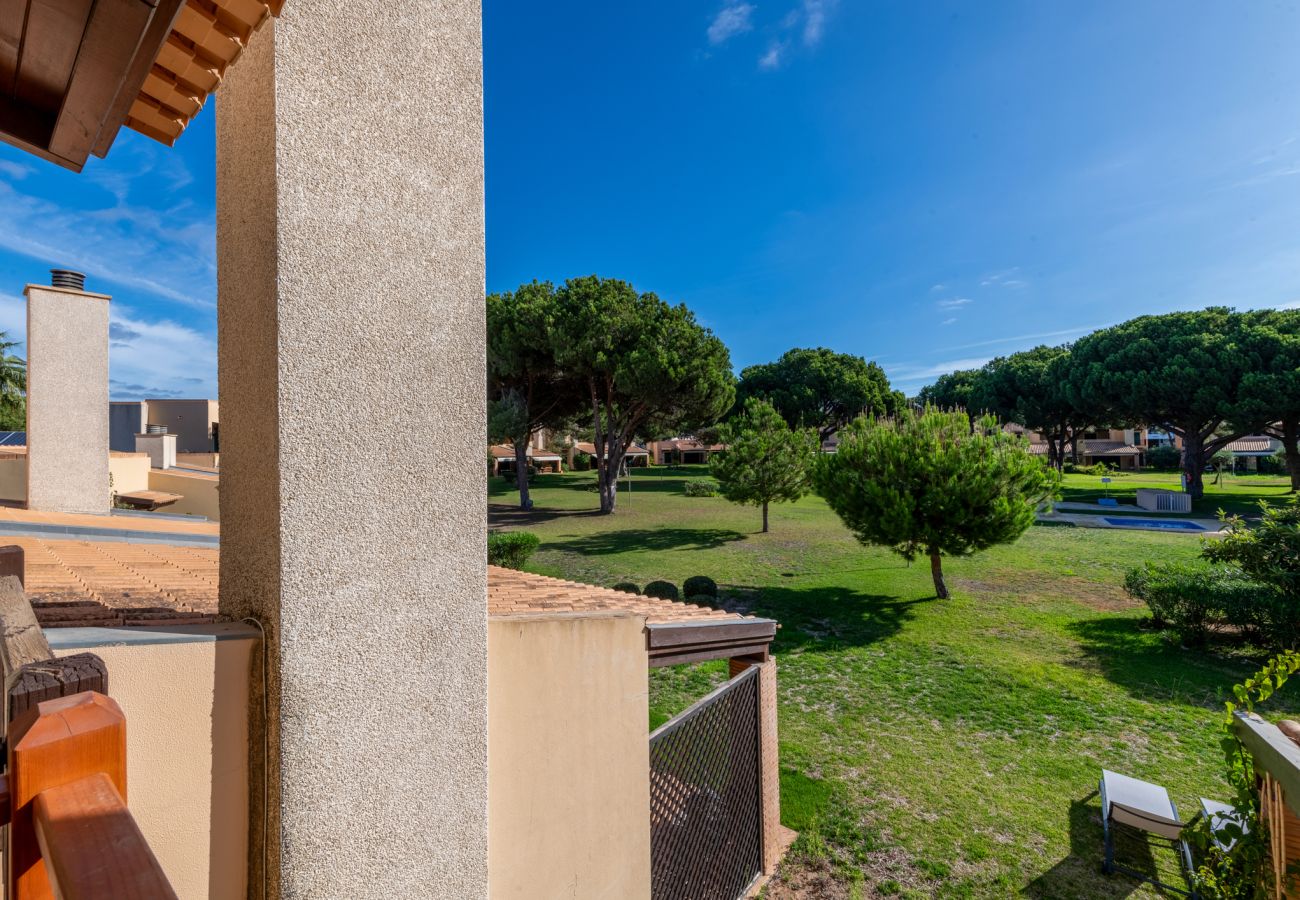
column 930, row 748
column 1237, row 494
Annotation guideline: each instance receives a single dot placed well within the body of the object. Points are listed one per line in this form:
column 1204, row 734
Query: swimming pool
column 1160, row 524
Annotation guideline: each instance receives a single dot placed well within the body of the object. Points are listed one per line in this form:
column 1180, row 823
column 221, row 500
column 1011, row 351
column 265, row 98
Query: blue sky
column 927, row 185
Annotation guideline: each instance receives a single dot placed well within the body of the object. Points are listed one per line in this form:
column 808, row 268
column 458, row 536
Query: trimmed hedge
column 628, row 587
column 664, row 590
column 511, row 549
column 1193, row 599
column 700, row 585
column 701, row 489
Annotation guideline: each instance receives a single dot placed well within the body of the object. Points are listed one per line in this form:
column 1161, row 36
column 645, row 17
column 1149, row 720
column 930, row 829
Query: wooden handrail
column 91, row 845
column 71, row 834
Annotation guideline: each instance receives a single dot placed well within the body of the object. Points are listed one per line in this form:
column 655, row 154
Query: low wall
column 199, row 492
column 13, row 478
column 202, row 460
column 1160, row 500
column 130, row 472
column 568, row 757
column 184, row 691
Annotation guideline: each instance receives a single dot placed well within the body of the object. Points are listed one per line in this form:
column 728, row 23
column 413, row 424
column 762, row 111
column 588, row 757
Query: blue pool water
column 1162, row 524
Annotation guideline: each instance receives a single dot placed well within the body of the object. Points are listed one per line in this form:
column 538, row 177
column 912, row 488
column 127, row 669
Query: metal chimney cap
column 68, row 278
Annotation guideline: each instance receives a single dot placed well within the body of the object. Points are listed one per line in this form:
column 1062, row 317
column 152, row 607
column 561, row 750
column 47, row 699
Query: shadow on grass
column 503, row 515
column 825, row 619
column 603, row 543
column 1080, row 875
column 1150, row 666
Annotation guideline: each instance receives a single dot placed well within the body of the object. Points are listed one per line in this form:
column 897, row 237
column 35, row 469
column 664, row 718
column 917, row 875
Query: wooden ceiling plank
column 13, row 16
column 112, row 37
column 54, row 30
column 160, row 27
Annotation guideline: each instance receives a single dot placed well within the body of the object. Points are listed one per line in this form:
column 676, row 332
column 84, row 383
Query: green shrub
column 511, row 549
column 701, row 489
column 582, row 462
column 628, row 587
column 698, row 585
column 702, row 600
column 664, row 590
column 1271, row 465
column 1166, row 458
column 1193, row 598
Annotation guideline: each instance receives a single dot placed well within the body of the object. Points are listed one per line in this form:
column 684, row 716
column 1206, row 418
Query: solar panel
column 13, row 438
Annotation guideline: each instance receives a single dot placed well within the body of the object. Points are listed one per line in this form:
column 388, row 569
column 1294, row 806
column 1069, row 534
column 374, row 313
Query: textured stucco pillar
column 67, row 400
column 353, row 496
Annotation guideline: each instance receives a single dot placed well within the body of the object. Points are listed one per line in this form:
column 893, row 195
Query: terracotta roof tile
column 512, row 593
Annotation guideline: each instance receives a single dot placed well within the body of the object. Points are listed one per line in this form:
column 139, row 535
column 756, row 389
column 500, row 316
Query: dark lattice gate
column 706, row 824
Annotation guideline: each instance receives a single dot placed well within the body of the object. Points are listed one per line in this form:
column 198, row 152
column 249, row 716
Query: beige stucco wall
column 130, row 472
column 67, row 400
column 13, row 478
column 350, row 301
column 569, row 766
column 200, row 493
column 186, row 706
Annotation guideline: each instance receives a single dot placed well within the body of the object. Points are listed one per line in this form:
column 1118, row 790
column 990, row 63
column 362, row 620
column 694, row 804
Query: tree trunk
column 1291, row 450
column 764, row 517
column 614, row 453
column 1194, row 463
column 936, row 572
column 521, row 474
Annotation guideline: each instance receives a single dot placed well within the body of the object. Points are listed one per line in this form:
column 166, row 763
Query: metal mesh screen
column 706, row 832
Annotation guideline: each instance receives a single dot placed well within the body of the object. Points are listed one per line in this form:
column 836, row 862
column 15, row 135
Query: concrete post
column 352, row 355
column 67, row 400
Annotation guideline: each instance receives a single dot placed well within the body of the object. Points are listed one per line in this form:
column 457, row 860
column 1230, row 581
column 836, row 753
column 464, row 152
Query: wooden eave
column 689, row 642
column 73, row 72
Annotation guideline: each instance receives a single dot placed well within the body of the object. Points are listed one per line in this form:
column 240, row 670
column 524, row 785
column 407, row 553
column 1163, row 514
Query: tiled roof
column 632, row 449
column 1254, row 443
column 512, row 593
column 505, row 451
column 690, row 445
column 109, row 583
column 1094, row 448
column 102, row 583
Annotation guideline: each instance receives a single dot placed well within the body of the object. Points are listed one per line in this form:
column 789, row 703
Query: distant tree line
column 1210, row 377
column 595, row 357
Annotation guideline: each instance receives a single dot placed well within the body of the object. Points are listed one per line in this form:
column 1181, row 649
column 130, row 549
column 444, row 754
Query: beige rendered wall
column 67, row 400
column 13, row 478
column 569, row 763
column 350, row 286
column 200, row 494
column 185, row 696
column 130, row 472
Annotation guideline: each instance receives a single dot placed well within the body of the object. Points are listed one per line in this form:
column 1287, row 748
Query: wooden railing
column 63, row 793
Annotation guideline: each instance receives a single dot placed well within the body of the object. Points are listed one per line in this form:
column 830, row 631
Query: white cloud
column 16, row 171
column 773, row 57
column 815, row 14
column 732, row 20
column 168, row 253
column 146, row 358
column 1007, row 278
column 917, row 375
column 1293, row 304
column 955, row 303
column 948, row 321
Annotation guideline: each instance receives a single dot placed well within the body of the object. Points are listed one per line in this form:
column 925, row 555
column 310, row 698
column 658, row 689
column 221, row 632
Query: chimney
column 67, row 397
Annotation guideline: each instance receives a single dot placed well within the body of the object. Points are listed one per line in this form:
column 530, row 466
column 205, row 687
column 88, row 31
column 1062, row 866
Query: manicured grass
column 930, row 748
column 1236, row 494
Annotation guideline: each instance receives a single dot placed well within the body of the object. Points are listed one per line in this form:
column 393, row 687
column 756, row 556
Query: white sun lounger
column 1146, row 807
column 1219, row 815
